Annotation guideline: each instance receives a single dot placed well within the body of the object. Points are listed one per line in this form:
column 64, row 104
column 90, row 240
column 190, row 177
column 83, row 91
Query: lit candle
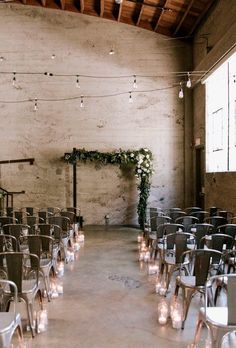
column 147, row 256
column 153, row 269
column 141, row 256
column 176, row 319
column 163, row 312
column 140, row 238
column 60, row 269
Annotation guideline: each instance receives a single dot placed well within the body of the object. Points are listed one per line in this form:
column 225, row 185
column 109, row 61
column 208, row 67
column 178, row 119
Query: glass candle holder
column 163, row 312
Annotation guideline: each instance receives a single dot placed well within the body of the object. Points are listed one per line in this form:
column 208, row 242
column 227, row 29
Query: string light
column 77, row 81
column 53, row 56
column 181, row 92
column 2, row 59
column 14, row 79
column 81, row 101
column 130, row 97
column 111, row 52
column 189, row 82
column 36, row 104
column 135, row 82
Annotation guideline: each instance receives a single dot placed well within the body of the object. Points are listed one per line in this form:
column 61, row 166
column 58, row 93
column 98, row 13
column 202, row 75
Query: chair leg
column 198, row 331
column 187, row 297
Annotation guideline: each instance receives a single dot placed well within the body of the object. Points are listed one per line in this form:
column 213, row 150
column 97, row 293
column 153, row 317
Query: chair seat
column 8, row 321
column 216, row 315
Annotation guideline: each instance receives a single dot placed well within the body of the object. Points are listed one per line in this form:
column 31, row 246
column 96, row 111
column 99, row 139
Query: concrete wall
column 220, row 188
column 29, row 36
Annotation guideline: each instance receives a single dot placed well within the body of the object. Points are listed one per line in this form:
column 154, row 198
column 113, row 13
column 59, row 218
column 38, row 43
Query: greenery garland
column 141, row 160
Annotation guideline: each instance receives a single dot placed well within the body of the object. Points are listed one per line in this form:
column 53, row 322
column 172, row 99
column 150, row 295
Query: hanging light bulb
column 81, row 101
column 36, row 104
column 135, row 82
column 14, row 79
column 189, row 83
column 130, row 98
column 77, row 81
column 2, row 59
column 181, row 92
column 53, row 56
column 111, row 52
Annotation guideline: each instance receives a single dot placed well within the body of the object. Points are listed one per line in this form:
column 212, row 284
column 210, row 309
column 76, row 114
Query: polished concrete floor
column 109, row 300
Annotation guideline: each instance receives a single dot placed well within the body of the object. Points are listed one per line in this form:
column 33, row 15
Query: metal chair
column 216, row 221
column 200, row 214
column 198, row 271
column 17, row 230
column 27, row 283
column 42, row 246
column 200, row 230
column 218, row 319
column 186, row 221
column 229, row 229
column 64, row 223
column 55, row 232
column 175, row 244
column 10, row 322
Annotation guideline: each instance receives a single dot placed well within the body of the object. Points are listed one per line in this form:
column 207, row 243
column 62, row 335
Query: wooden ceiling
column 174, row 18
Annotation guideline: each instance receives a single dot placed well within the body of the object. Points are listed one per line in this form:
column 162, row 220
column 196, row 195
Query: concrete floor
column 109, row 300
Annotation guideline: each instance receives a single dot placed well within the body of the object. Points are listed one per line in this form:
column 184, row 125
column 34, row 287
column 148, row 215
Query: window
column 221, row 118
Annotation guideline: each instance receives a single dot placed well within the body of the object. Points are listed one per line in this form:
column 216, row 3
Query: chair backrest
column 229, row 229
column 39, row 245
column 178, row 241
column 4, row 220
column 200, row 230
column 230, row 282
column 14, row 262
column 176, row 214
column 7, row 243
column 14, row 291
column 200, row 214
column 190, row 210
column 201, row 261
column 216, row 220
column 172, row 228
column 70, row 215
column 62, row 221
column 16, row 231
column 186, row 220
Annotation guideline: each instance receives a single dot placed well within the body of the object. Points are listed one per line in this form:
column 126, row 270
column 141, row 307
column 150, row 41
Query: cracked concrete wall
column 218, row 32
column 29, row 36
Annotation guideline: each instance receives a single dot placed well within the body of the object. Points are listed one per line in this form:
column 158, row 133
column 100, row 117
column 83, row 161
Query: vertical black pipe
column 74, row 183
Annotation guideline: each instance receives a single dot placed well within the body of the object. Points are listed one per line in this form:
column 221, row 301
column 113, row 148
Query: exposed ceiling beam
column 183, row 17
column 63, row 4
column 140, row 14
column 82, row 6
column 161, row 15
column 199, row 18
column 102, row 6
column 43, row 2
column 120, row 10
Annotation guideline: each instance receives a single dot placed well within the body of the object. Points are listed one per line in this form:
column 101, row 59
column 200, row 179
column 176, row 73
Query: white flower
column 147, row 165
column 139, row 171
column 147, row 156
column 140, row 161
column 146, row 150
column 131, row 155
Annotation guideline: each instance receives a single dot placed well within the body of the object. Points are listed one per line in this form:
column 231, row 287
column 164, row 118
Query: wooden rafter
column 161, row 15
column 140, row 14
column 199, row 18
column 44, row 3
column 120, row 11
column 102, row 7
column 82, row 6
column 184, row 16
column 63, row 4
